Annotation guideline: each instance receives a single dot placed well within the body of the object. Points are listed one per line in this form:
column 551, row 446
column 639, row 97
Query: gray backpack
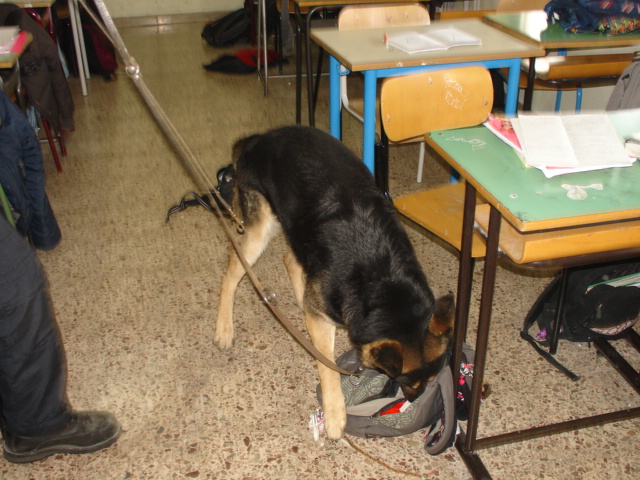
column 626, row 93
column 377, row 408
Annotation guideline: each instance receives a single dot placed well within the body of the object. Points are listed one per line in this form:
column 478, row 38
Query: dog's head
column 414, row 363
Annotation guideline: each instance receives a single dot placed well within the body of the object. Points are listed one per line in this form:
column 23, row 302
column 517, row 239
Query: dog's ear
column 440, row 331
column 385, row 355
column 443, row 316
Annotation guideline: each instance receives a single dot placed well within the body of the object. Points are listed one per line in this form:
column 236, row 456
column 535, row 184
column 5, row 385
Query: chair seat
column 524, row 248
column 580, row 67
column 571, row 72
column 440, row 211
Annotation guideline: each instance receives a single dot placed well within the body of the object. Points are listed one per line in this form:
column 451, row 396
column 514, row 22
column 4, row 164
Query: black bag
column 230, row 29
column 599, row 302
column 377, row 408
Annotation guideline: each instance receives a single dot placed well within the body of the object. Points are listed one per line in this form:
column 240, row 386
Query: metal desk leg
column 528, row 92
column 78, row 42
column 369, row 127
column 465, row 443
column 513, row 85
column 334, row 97
column 262, row 62
column 310, row 89
column 486, row 301
column 298, row 65
column 465, row 277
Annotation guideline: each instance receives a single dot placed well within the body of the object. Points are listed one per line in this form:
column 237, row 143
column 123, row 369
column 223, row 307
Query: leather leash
column 199, row 175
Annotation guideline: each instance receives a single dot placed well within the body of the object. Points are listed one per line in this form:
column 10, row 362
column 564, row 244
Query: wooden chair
column 415, row 105
column 354, row 17
column 575, row 72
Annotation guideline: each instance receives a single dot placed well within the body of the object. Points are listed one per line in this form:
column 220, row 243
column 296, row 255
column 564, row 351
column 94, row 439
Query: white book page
column 544, row 141
column 595, row 141
column 438, row 39
column 452, row 37
column 414, row 42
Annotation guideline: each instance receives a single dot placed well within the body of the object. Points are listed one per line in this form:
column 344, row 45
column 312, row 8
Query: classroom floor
column 136, row 300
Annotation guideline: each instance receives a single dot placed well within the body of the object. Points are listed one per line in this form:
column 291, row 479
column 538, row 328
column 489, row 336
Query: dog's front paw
column 335, row 421
column 223, row 337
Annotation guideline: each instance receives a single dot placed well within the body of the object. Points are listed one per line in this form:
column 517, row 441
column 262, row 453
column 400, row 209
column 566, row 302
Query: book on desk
column 431, row 40
column 562, row 144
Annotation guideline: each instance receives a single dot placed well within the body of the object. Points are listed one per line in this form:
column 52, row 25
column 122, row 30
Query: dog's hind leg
column 296, row 275
column 322, row 332
column 251, row 244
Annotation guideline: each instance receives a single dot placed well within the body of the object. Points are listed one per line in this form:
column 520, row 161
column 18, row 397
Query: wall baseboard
column 163, row 20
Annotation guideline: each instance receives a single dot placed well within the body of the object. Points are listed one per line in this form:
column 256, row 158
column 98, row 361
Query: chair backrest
column 353, row 17
column 520, row 5
column 441, row 100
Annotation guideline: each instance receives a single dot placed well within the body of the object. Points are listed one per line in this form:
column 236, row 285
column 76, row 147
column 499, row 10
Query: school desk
column 522, row 204
column 532, row 26
column 365, row 51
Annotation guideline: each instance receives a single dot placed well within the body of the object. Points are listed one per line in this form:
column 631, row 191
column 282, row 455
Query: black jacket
column 22, row 177
column 41, row 71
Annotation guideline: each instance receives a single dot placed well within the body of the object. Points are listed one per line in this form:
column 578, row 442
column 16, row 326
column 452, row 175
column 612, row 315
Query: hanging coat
column 22, row 177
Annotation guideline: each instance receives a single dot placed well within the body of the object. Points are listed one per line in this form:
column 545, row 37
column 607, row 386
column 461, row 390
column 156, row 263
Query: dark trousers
column 32, row 363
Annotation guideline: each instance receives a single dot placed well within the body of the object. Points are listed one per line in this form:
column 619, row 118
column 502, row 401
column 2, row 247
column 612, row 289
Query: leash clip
column 269, row 296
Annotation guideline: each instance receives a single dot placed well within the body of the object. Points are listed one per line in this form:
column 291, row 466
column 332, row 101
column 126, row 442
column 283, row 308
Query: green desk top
column 524, row 196
column 532, row 26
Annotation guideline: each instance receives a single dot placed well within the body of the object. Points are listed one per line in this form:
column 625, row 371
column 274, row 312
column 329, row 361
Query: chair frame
column 353, row 17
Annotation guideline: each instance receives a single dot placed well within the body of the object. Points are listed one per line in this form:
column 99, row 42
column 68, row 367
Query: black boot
column 85, row 432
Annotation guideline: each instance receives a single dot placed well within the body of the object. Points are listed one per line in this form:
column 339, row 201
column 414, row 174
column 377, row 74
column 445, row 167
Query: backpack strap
column 550, row 294
column 443, row 433
column 547, row 356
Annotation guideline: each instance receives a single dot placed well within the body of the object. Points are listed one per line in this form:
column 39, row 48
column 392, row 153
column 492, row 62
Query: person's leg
column 37, row 419
column 32, row 366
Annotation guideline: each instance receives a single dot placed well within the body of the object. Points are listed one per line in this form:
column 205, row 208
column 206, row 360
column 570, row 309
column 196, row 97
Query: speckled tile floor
column 136, row 301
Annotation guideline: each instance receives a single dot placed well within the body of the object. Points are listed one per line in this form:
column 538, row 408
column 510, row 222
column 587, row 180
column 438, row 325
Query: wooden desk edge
column 606, row 41
column 509, row 31
column 535, row 51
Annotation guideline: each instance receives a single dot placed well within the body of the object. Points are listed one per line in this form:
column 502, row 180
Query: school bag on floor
column 233, row 28
column 600, row 301
column 377, row 408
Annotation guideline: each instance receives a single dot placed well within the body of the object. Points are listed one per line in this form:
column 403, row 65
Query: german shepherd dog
column 350, row 261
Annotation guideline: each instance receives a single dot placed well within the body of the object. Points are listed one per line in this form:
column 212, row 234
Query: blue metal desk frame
column 370, row 82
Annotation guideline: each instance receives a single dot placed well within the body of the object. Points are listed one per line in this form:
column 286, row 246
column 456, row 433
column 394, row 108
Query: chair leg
column 558, row 101
column 52, row 144
column 421, row 161
column 318, row 76
column 381, row 165
column 578, row 99
column 63, row 145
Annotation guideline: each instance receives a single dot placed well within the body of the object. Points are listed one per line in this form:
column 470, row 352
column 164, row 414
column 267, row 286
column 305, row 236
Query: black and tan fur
column 350, row 262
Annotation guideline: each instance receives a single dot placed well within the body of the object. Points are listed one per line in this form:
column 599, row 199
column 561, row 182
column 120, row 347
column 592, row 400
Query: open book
column 561, row 144
column 432, row 40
